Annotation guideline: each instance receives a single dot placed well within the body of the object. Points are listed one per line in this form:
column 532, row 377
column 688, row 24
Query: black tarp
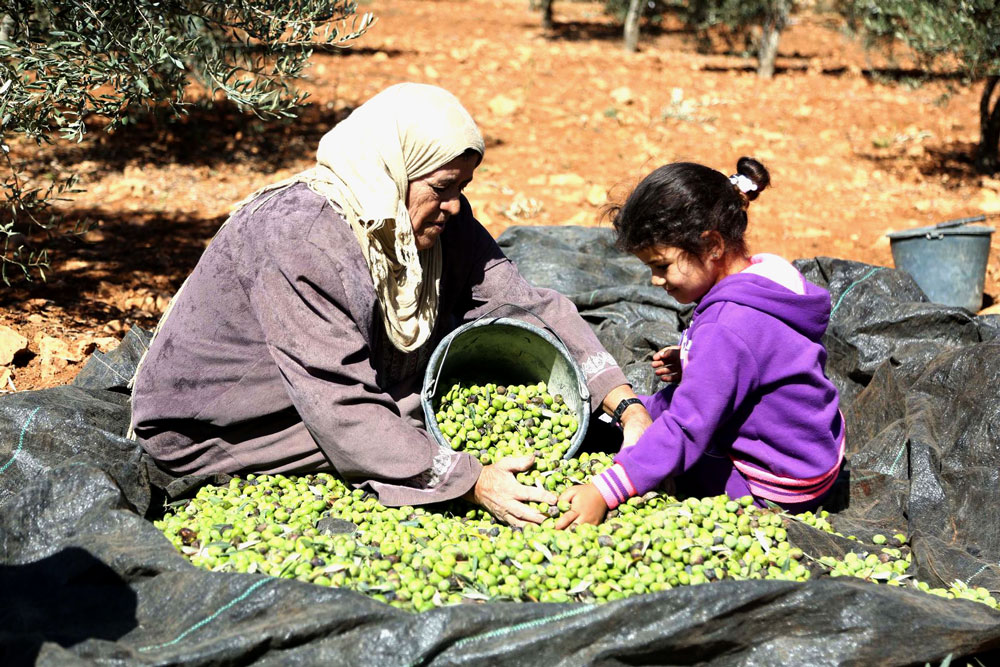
column 85, row 578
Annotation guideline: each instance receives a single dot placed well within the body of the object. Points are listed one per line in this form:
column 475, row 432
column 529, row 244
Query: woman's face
column 432, row 199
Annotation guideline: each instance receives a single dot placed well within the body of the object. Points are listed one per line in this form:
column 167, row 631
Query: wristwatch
column 616, row 416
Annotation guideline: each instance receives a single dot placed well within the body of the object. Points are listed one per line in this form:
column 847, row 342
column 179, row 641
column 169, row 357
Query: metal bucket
column 505, row 351
column 948, row 261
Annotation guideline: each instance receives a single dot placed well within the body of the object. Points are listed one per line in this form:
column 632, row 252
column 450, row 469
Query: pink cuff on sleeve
column 614, row 485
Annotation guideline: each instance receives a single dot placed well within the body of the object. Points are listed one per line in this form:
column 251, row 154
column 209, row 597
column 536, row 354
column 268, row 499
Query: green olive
column 417, row 558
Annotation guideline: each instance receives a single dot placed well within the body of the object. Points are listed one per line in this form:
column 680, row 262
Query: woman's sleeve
column 299, row 299
column 720, row 374
column 501, row 283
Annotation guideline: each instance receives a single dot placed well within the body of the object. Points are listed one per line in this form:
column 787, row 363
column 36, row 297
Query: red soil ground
column 854, row 148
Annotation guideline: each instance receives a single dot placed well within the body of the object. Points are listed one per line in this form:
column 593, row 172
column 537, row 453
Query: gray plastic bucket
column 948, row 261
column 505, row 351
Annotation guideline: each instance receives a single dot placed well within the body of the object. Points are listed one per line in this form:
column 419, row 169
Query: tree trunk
column 987, row 157
column 774, row 23
column 6, row 28
column 546, row 6
column 632, row 24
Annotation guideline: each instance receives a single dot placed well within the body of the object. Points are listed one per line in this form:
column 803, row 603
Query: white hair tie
column 743, row 183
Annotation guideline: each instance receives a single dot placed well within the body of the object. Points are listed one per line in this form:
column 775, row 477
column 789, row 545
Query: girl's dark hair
column 678, row 202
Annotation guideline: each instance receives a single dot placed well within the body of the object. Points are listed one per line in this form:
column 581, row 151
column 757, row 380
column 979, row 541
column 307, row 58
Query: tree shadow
column 951, row 163
column 215, row 135
column 580, row 31
column 67, row 598
column 954, row 160
column 137, row 251
column 750, row 66
column 327, row 49
column 896, row 75
column 361, row 51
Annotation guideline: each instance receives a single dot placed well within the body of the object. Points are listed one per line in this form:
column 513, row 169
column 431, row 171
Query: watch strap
column 616, row 416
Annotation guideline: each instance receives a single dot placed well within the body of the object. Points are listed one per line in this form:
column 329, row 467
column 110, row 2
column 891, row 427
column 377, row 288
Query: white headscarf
column 364, row 167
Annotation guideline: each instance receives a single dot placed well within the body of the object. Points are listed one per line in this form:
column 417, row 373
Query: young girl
column 749, row 410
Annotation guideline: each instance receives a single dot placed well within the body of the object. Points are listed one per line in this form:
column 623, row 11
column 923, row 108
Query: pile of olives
column 492, row 421
column 315, row 528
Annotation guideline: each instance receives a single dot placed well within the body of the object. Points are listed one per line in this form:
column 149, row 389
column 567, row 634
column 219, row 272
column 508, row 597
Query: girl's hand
column 586, row 506
column 667, row 364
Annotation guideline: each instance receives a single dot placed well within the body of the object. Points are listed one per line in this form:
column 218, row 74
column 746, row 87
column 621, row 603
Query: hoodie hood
column 806, row 313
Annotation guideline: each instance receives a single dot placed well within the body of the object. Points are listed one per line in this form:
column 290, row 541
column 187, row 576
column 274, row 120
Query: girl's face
column 685, row 277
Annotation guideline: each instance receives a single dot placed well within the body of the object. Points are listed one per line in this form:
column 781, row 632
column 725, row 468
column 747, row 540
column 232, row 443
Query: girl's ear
column 715, row 245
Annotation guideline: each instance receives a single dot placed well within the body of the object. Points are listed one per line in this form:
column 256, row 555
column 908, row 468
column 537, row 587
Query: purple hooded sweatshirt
column 754, row 413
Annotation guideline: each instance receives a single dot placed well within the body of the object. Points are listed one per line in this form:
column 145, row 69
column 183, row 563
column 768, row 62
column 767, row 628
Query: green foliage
column 745, row 26
column 63, row 64
column 653, row 10
column 740, row 18
column 961, row 36
column 735, row 14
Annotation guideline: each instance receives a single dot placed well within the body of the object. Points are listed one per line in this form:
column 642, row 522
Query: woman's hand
column 667, row 364
column 504, row 497
column 586, row 505
column 634, row 427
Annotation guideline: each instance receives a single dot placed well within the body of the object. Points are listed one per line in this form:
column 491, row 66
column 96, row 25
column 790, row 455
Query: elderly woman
column 299, row 342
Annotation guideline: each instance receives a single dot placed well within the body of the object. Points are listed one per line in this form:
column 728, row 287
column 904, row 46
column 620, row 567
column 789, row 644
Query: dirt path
column 568, row 117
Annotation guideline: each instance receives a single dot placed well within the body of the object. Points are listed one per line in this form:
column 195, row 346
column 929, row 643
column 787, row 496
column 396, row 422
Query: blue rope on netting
column 20, row 439
column 902, row 450
column 208, row 620
column 852, row 286
column 499, row 632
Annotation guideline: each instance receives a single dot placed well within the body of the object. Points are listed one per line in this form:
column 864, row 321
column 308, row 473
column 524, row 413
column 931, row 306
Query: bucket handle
column 429, row 393
column 957, row 222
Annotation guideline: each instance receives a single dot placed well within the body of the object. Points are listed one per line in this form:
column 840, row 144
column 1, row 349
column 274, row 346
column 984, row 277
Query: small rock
column 813, row 233
column 597, row 195
column 55, row 354
column 106, row 343
column 87, row 346
column 572, row 180
column 5, row 375
column 501, row 105
column 622, row 95
column 581, row 218
column 11, row 342
column 74, row 265
column 484, row 217
column 989, row 201
column 114, row 326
